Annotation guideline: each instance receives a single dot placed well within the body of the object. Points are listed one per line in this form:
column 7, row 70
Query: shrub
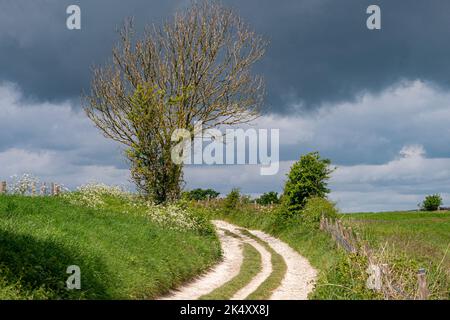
column 307, row 178
column 432, row 202
column 268, row 198
column 317, row 207
column 232, row 199
column 245, row 199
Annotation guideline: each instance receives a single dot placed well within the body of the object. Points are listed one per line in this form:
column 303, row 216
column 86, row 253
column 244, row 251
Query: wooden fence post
column 422, row 290
column 386, row 282
column 351, row 240
column 3, row 187
column 52, row 189
column 374, row 280
column 43, row 189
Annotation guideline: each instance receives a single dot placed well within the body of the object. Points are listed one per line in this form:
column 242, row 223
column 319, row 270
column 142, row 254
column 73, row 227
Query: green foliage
column 245, row 199
column 268, row 198
column 201, row 194
column 232, row 199
column 317, row 207
column 307, row 178
column 432, row 202
column 121, row 256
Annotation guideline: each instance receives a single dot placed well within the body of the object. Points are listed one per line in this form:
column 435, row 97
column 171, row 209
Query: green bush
column 268, row 198
column 317, row 207
column 232, row 199
column 307, row 178
column 432, row 202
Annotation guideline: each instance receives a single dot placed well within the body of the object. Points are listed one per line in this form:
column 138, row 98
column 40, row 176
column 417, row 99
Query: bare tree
column 196, row 67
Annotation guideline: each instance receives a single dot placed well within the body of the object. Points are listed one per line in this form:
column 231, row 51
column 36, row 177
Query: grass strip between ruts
column 251, row 266
column 279, row 268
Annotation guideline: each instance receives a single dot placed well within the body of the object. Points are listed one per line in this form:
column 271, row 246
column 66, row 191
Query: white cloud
column 399, row 184
column 412, row 151
column 50, row 166
column 54, row 142
column 371, row 129
column 391, row 149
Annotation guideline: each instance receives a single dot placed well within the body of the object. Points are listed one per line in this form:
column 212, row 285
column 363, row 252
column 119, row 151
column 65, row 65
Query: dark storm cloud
column 52, row 63
column 320, row 50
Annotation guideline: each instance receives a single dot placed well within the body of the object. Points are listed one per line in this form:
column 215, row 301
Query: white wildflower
column 24, row 184
column 92, row 194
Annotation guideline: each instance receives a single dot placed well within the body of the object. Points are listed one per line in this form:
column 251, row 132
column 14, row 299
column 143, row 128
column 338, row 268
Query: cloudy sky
column 376, row 102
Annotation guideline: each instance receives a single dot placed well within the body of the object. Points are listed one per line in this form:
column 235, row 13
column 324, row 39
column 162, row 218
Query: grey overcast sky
column 376, row 102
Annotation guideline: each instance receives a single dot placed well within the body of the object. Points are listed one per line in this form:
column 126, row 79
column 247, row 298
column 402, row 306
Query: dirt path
column 297, row 282
column 217, row 276
column 265, row 257
column 300, row 275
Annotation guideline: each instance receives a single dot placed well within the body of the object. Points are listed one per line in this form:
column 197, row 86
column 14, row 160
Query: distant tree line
column 200, row 194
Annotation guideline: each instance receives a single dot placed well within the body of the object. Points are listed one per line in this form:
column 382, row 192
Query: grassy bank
column 122, row 253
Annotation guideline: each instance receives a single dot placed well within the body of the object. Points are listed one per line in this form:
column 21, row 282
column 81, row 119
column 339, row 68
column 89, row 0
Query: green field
column 411, row 240
column 422, row 235
column 121, row 255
